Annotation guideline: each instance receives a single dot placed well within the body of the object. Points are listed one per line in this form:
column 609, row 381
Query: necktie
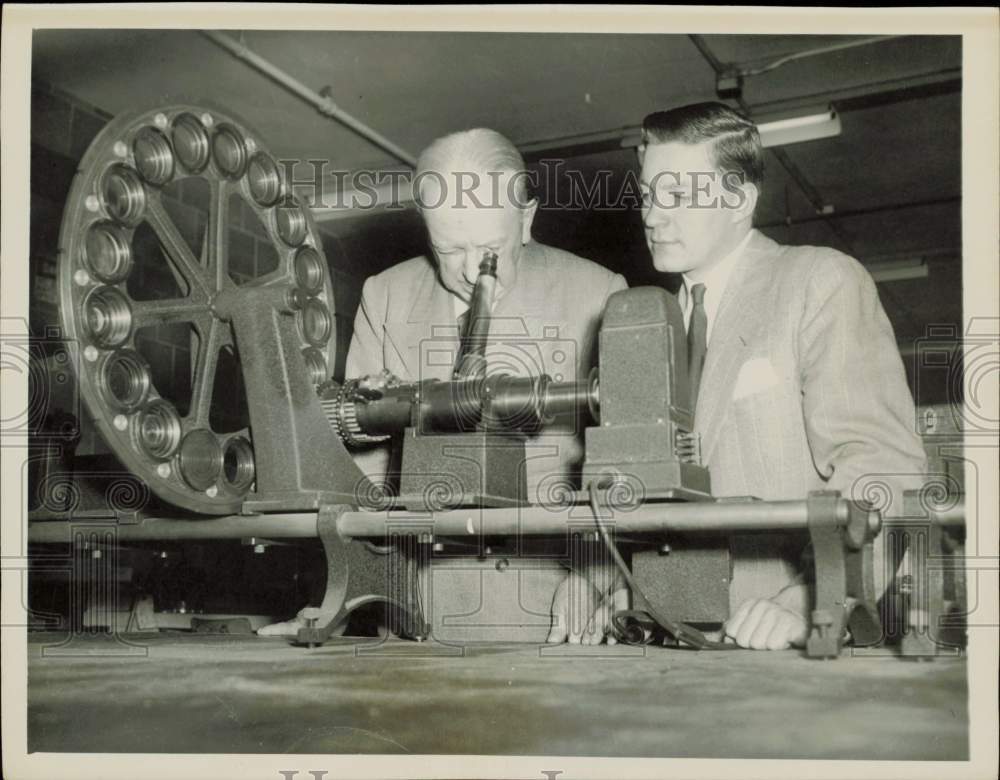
column 463, row 323
column 697, row 340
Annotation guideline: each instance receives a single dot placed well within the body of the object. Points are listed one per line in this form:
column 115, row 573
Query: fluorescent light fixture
column 799, row 127
column 632, row 140
column 782, row 129
column 899, row 270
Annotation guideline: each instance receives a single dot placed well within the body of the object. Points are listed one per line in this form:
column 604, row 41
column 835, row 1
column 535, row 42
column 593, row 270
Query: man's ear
column 527, row 217
column 746, row 204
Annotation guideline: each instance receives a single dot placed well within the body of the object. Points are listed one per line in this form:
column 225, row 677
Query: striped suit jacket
column 803, row 389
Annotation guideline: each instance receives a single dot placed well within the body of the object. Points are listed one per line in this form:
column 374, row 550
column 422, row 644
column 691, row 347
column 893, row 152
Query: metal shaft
column 536, row 520
column 708, row 517
column 471, row 359
column 530, row 521
column 297, row 525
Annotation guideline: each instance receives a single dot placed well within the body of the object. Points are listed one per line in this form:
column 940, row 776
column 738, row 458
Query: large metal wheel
column 117, row 201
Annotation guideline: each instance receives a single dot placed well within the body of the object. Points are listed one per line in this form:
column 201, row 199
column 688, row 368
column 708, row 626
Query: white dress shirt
column 715, row 280
column 461, row 307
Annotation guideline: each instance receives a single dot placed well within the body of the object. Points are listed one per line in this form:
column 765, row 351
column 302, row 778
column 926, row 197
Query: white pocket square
column 755, row 375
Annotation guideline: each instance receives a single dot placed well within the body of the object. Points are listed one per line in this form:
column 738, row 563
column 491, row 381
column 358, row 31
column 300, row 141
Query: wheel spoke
column 225, row 335
column 217, row 245
column 273, row 277
column 212, row 334
column 170, row 310
column 178, row 251
column 188, row 218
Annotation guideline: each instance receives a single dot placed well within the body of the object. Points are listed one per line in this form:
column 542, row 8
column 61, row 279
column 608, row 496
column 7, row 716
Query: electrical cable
column 750, row 70
column 680, row 631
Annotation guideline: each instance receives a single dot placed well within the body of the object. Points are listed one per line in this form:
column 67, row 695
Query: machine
column 289, row 472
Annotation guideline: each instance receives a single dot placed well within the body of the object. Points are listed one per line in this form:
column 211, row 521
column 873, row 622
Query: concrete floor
column 216, row 694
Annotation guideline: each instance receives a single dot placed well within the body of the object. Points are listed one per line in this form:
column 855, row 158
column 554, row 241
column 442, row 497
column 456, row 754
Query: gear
column 339, row 402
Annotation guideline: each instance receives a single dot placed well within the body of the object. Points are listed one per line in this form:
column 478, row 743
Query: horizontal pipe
column 953, row 200
column 322, row 103
column 695, row 517
column 650, row 517
column 952, row 516
column 757, row 68
column 918, row 505
column 298, row 525
column 707, row 517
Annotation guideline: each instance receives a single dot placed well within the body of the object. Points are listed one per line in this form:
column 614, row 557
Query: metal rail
column 733, row 516
column 298, row 525
column 699, row 517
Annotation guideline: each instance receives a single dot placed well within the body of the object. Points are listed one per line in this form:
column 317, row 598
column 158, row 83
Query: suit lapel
column 431, row 320
column 431, row 317
column 530, row 294
column 741, row 313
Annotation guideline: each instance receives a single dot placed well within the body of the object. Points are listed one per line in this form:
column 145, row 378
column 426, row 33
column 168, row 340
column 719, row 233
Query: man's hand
column 290, row 628
column 582, row 610
column 287, row 628
column 765, row 624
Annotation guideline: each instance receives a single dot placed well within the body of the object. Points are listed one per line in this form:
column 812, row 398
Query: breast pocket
column 756, row 376
column 764, row 429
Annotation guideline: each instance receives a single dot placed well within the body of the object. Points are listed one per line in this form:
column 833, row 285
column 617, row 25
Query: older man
column 798, row 380
column 471, row 188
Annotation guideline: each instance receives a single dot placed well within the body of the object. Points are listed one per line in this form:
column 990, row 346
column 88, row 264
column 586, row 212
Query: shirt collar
column 461, row 307
column 718, row 275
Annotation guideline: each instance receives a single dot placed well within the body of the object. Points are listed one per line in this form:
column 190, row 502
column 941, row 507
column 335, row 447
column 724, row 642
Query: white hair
column 479, row 152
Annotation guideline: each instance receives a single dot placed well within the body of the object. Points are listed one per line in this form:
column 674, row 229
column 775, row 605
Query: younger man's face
column 688, row 207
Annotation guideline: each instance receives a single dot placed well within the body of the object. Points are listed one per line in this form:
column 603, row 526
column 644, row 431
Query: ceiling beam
column 846, row 99
column 877, row 93
column 954, row 200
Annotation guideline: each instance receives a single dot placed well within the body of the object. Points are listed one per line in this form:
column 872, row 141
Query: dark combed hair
column 736, row 142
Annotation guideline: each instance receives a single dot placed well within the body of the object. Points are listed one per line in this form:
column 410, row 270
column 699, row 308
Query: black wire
column 681, row 631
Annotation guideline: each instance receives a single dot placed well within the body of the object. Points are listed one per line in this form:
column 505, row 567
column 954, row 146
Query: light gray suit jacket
column 546, row 323
column 803, row 389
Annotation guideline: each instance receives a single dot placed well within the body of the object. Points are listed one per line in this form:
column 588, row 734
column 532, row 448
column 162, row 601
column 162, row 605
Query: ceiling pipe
column 815, row 199
column 945, row 81
column 757, row 67
column 322, row 103
column 953, row 200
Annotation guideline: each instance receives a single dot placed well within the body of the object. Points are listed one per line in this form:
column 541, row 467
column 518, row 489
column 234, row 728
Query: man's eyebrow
column 673, row 186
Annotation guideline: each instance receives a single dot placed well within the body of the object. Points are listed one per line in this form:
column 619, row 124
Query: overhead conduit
column 321, row 103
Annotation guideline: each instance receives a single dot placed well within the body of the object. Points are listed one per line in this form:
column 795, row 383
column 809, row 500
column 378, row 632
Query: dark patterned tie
column 697, row 341
column 463, row 324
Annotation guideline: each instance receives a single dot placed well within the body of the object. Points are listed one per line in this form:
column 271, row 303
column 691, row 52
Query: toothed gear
column 339, row 405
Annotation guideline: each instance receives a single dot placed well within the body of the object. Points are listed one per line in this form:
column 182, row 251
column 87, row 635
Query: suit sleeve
column 591, row 357
column 617, row 283
column 858, row 410
column 365, row 356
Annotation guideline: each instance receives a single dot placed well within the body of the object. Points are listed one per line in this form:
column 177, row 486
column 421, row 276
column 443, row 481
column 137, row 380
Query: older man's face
column 463, row 226
column 688, row 212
